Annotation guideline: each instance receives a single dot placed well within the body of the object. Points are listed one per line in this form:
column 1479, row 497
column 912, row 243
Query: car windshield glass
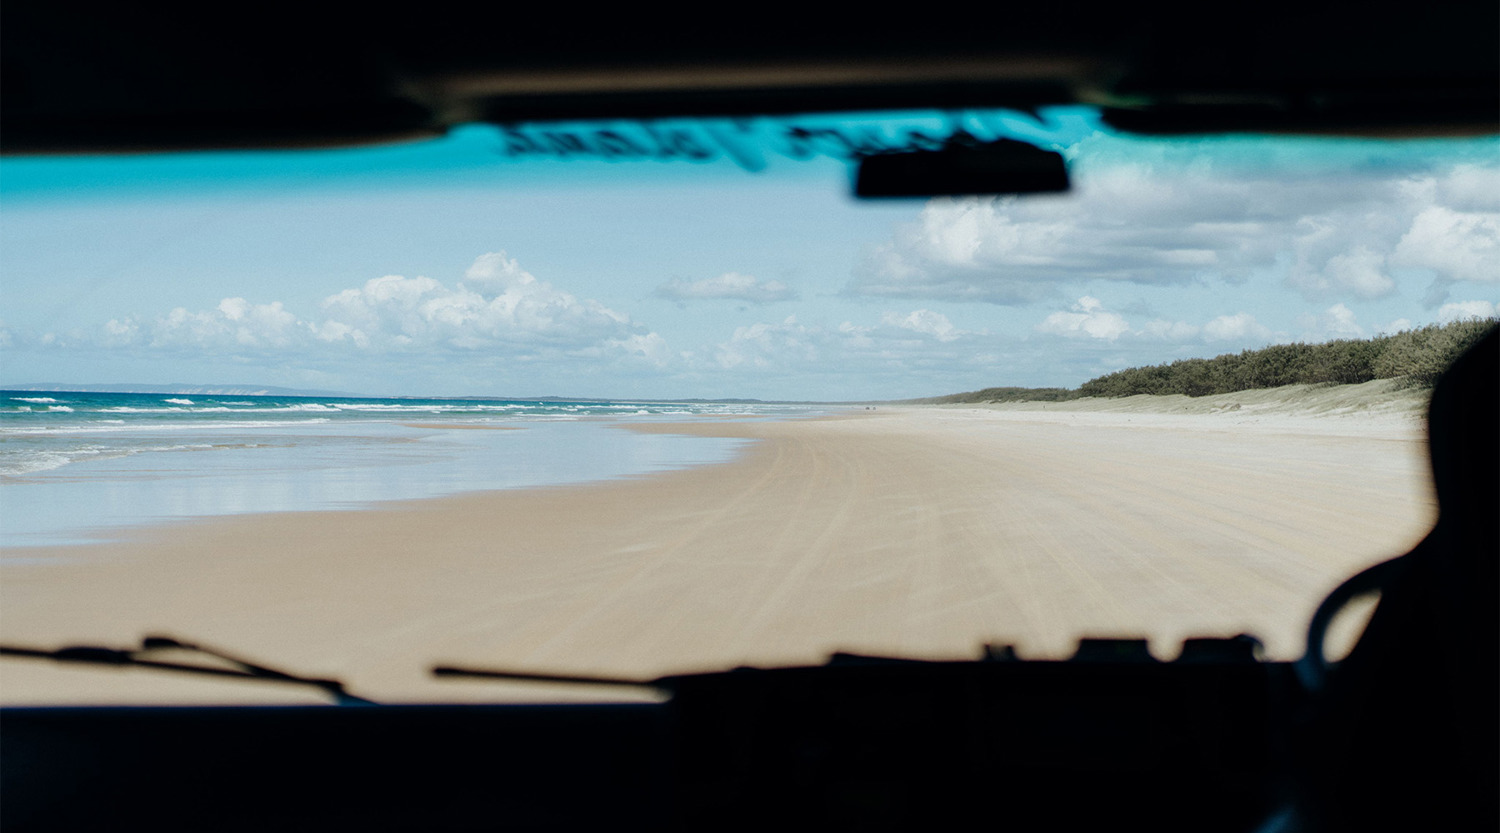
column 639, row 398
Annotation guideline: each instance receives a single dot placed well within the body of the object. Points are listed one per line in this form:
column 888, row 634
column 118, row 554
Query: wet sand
column 922, row 532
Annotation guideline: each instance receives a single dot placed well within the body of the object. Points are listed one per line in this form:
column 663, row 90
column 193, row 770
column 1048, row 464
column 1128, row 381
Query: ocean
column 76, row 467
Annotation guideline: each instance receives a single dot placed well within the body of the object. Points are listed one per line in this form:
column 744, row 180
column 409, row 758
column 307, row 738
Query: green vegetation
column 1419, row 356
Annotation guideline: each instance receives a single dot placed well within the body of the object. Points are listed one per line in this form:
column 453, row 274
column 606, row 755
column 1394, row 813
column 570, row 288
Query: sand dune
column 910, row 531
column 1384, row 406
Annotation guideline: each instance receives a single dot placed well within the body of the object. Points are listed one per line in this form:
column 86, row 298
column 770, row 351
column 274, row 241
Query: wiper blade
column 528, row 676
column 839, row 659
column 242, row 669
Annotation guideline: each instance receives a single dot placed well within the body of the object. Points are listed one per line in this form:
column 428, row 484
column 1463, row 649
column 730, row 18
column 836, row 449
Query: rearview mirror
column 963, row 166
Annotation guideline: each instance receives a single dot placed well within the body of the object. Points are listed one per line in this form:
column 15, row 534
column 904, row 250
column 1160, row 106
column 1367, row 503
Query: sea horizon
column 273, row 390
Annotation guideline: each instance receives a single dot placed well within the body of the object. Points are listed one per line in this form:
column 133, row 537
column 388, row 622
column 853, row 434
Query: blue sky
column 457, row 267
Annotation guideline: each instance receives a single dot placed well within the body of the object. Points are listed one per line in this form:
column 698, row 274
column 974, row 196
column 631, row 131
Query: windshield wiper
column 838, row 659
column 1238, row 649
column 526, row 676
column 242, row 669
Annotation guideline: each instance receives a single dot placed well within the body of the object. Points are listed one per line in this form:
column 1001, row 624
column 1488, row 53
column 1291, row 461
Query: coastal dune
column 917, row 532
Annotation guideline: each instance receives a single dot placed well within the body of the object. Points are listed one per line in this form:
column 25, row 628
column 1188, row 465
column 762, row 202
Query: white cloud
column 1165, row 330
column 921, row 338
column 651, row 347
column 1341, row 252
column 1458, row 246
column 1238, row 327
column 118, row 333
column 499, row 308
column 235, row 325
column 765, row 345
column 925, row 321
column 1088, row 319
column 499, row 304
column 1338, row 321
column 728, row 286
column 1470, row 187
column 1467, row 309
column 1188, row 216
column 1360, row 272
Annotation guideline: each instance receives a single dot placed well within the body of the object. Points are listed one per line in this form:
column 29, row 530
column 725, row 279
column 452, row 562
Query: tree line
column 1419, row 356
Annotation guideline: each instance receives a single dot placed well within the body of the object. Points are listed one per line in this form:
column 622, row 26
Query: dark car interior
column 1399, row 735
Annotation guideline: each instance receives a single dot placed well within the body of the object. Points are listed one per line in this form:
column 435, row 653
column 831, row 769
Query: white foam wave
column 35, row 462
column 39, row 400
column 61, row 408
column 422, row 409
column 179, row 401
column 381, row 406
column 120, row 426
column 220, row 409
column 128, row 409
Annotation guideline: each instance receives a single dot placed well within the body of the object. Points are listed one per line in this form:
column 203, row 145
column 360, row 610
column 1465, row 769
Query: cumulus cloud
column 1164, row 330
column 1088, row 319
column 1238, row 327
column 1181, row 217
column 1338, row 321
column 499, row 303
column 234, row 325
column 765, row 344
column 898, row 340
column 728, row 286
column 1457, row 245
column 498, row 307
column 1471, row 188
column 1360, row 272
column 650, row 347
column 1467, row 309
column 925, row 321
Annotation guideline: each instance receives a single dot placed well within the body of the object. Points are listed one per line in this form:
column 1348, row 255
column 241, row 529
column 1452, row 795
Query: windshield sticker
column 750, row 143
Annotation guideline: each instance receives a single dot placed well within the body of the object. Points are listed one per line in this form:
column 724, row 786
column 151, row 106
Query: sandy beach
column 918, row 531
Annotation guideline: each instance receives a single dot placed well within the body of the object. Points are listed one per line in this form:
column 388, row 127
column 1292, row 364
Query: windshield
column 632, row 399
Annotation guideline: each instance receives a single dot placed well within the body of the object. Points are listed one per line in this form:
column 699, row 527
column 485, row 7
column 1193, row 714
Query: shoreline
column 909, row 530
column 161, row 477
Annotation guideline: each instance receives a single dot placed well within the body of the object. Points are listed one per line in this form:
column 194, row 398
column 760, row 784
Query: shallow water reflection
column 326, row 466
